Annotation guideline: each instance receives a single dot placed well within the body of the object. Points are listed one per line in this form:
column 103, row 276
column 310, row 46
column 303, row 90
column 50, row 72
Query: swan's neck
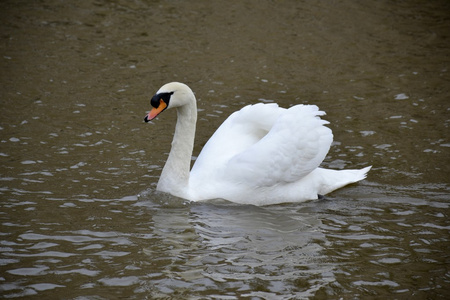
column 175, row 174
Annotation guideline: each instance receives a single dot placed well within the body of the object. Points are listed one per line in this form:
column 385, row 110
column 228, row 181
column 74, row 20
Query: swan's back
column 237, row 133
column 262, row 145
column 296, row 145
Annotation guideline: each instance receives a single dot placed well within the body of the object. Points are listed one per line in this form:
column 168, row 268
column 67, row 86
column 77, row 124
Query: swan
column 262, row 154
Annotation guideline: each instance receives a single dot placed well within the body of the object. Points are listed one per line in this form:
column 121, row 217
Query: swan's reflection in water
column 258, row 251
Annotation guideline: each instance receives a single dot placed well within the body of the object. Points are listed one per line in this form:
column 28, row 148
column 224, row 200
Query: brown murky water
column 75, row 85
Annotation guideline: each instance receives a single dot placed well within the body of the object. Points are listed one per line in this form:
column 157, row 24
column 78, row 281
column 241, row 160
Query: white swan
column 262, row 154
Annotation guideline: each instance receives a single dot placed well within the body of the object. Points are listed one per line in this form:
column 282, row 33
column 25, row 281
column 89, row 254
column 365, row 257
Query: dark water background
column 76, row 79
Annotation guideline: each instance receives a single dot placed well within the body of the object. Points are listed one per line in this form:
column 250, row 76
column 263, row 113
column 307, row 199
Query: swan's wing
column 238, row 132
column 296, row 145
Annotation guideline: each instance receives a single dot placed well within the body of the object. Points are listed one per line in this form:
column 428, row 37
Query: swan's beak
column 155, row 111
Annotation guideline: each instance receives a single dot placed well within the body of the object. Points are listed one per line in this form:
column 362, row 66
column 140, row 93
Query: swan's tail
column 335, row 179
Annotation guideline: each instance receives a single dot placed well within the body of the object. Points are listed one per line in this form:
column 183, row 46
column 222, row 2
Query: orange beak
column 156, row 111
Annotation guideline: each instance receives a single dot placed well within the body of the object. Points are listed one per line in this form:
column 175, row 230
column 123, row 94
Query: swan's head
column 170, row 95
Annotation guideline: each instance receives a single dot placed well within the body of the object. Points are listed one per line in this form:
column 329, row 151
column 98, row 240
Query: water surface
column 79, row 215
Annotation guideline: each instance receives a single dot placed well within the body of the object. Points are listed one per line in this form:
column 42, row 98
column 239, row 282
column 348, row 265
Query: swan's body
column 262, row 154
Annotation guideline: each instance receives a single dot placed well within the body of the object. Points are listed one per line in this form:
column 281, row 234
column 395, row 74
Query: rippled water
column 79, row 215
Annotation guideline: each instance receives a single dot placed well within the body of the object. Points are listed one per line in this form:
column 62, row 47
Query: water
column 79, row 215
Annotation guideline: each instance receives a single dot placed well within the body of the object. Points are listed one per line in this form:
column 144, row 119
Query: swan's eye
column 156, row 100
